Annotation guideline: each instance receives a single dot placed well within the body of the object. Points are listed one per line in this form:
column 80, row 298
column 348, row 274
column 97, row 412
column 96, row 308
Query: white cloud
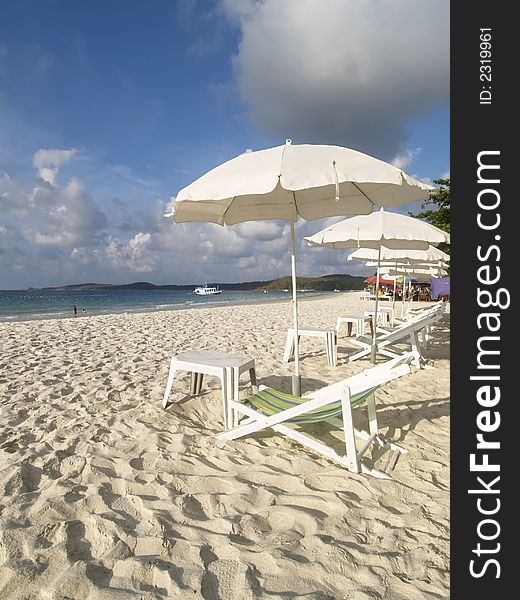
column 352, row 72
column 405, row 158
column 56, row 158
column 48, row 162
column 134, row 256
column 56, row 235
column 259, row 230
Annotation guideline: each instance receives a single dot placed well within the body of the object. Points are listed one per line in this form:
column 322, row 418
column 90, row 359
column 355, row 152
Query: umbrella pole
column 296, row 379
column 373, row 351
column 393, row 297
column 405, row 292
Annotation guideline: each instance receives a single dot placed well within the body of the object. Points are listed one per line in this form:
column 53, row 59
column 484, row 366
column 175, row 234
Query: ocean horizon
column 40, row 304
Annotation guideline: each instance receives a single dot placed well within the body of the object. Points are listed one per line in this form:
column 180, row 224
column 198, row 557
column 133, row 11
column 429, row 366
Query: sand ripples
column 105, row 495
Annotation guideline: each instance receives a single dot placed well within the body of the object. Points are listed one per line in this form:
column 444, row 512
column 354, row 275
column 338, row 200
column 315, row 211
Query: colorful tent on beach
column 373, row 280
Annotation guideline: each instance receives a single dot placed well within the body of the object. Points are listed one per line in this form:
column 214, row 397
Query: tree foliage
column 436, row 210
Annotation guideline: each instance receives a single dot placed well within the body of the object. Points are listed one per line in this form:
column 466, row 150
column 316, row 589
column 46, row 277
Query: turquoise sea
column 52, row 304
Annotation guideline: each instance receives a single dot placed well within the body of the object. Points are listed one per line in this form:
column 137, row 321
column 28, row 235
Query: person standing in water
column 75, row 310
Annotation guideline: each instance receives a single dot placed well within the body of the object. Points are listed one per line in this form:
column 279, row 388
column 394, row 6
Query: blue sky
column 107, row 109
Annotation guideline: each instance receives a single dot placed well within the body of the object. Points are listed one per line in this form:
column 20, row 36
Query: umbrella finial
column 288, row 142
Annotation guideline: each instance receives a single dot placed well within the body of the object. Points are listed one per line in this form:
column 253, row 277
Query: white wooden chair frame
column 352, row 459
column 408, row 331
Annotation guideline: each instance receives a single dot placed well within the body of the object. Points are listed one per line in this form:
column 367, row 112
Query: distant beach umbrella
column 431, row 261
column 291, row 181
column 381, row 229
column 404, row 255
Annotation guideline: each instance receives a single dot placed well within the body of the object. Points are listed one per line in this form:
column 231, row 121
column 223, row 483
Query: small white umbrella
column 413, row 268
column 285, row 182
column 431, row 254
column 377, row 230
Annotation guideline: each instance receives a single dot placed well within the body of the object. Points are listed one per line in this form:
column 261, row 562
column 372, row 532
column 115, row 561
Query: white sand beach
column 106, row 495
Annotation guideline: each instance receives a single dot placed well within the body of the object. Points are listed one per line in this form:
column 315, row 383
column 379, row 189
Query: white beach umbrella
column 401, row 255
column 377, row 230
column 435, row 270
column 397, row 271
column 291, row 181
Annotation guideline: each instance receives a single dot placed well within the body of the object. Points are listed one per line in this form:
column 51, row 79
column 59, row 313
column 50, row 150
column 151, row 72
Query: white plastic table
column 385, row 315
column 351, row 320
column 227, row 367
column 329, row 335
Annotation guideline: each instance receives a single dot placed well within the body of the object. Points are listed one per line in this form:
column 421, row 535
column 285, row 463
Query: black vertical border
column 475, row 128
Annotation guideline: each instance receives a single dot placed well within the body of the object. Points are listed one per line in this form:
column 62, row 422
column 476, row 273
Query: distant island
column 326, row 283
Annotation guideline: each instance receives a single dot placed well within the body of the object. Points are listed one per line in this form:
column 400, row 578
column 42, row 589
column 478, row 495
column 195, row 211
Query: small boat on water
column 207, row 290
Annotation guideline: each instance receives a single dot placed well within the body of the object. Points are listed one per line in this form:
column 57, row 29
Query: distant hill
column 338, row 281
column 325, row 283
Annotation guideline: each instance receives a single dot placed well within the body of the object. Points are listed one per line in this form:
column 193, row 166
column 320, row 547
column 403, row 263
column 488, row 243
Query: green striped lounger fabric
column 270, row 402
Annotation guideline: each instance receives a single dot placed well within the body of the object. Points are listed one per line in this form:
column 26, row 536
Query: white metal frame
column 344, row 391
column 408, row 331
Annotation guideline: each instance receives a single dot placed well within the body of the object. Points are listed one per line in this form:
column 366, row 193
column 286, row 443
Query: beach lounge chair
column 413, row 313
column 269, row 408
column 414, row 316
column 388, row 339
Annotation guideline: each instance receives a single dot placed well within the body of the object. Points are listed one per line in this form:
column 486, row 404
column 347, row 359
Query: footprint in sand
column 25, row 479
column 225, row 579
column 77, row 546
column 128, row 507
column 193, row 509
column 72, row 465
column 146, row 462
column 276, row 527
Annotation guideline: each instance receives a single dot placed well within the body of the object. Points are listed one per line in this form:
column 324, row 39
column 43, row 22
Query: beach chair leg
column 415, row 348
column 389, row 353
column 348, row 429
column 364, row 352
column 426, row 336
column 372, row 414
column 169, row 384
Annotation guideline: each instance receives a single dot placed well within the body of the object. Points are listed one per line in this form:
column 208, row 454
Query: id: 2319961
column 485, row 65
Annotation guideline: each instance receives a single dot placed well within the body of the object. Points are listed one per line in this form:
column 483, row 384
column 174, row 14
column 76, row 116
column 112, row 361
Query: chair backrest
column 438, row 307
column 404, row 329
column 369, row 378
column 270, row 401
